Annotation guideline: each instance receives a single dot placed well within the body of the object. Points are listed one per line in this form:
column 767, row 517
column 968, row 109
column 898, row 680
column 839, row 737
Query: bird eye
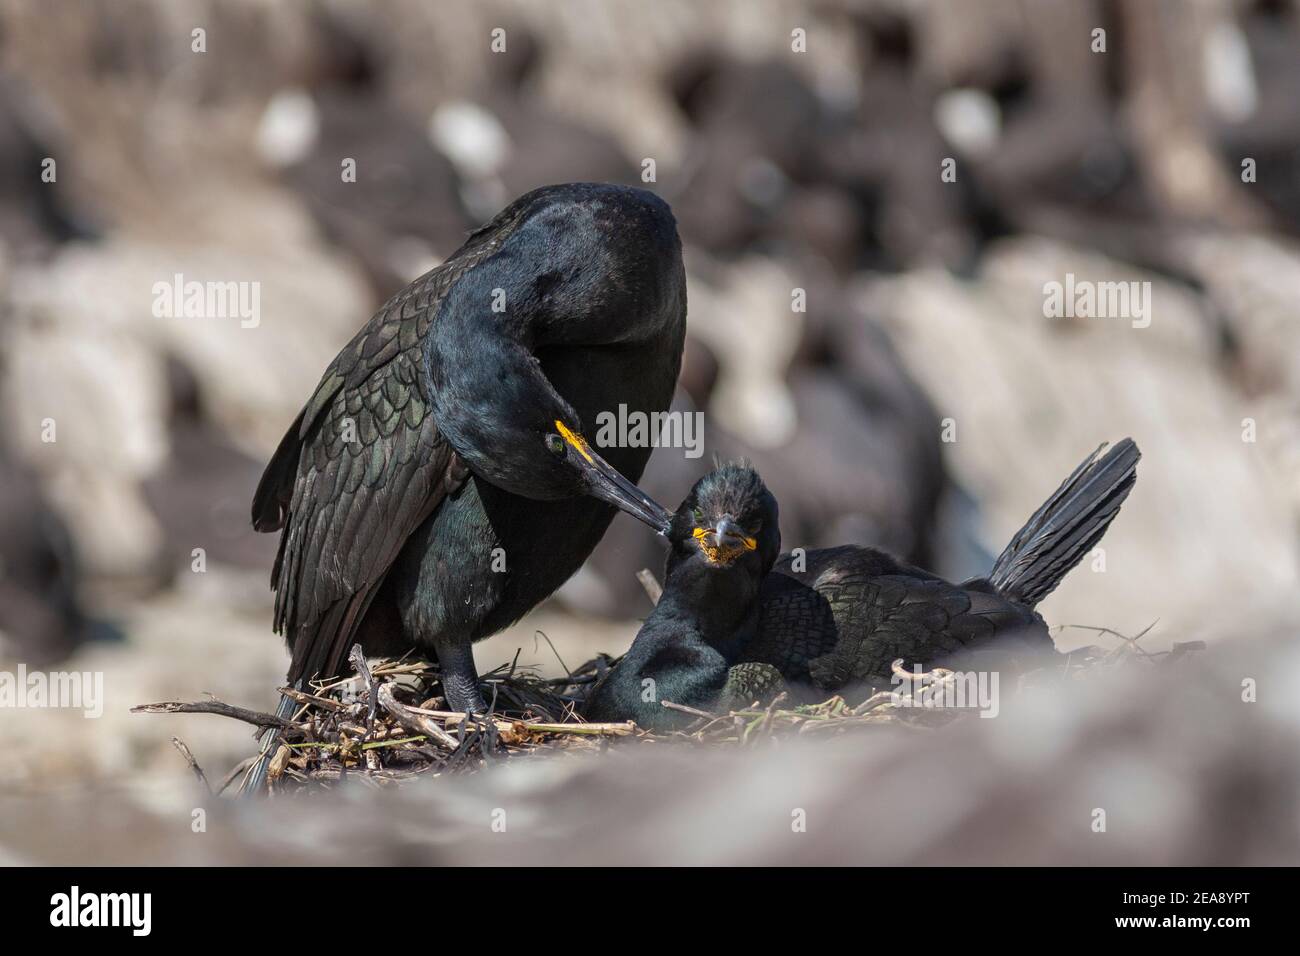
column 755, row 527
column 555, row 444
column 698, row 515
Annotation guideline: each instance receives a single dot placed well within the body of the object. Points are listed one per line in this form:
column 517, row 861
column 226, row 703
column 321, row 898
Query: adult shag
column 438, row 483
column 735, row 623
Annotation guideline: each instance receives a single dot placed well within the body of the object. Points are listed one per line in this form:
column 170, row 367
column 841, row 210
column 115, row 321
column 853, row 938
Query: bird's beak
column 605, row 482
column 724, row 542
column 730, row 534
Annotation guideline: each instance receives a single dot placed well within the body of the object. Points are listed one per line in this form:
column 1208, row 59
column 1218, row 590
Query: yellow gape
column 574, row 439
column 718, row 553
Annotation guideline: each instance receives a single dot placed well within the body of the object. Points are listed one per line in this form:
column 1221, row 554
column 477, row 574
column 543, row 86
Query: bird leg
column 460, row 677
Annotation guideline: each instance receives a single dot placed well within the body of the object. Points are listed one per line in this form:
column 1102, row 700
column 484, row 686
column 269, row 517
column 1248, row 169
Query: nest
column 388, row 724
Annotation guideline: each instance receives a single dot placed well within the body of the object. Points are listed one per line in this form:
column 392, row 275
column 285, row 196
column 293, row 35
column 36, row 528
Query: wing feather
column 356, row 474
column 361, row 468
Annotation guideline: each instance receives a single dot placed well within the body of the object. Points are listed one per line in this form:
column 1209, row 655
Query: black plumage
column 724, row 539
column 437, row 485
column 835, row 619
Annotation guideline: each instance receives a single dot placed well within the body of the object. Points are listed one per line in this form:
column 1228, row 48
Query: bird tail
column 1067, row 525
column 255, row 780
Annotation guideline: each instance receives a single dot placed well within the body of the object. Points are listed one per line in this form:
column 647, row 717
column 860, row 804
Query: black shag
column 724, row 540
column 438, row 484
column 859, row 415
column 735, row 622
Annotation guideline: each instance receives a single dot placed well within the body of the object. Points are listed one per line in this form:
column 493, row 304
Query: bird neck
column 488, row 395
column 720, row 606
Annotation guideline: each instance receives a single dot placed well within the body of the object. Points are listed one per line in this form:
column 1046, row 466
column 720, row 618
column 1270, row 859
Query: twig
column 1130, row 643
column 254, row 717
column 194, row 764
column 415, row 720
column 563, row 666
column 653, row 589
column 358, row 660
column 275, row 769
column 878, row 699
column 303, row 697
column 385, row 669
column 237, row 771
column 766, row 723
column 593, row 729
column 688, row 710
column 378, row 744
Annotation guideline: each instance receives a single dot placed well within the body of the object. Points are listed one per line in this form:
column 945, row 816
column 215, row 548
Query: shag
column 724, row 539
column 735, row 623
column 438, row 483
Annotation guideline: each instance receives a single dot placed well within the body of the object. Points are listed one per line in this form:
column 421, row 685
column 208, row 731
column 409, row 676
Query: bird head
column 729, row 520
column 576, row 465
column 597, row 265
column 575, row 281
column 525, row 439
